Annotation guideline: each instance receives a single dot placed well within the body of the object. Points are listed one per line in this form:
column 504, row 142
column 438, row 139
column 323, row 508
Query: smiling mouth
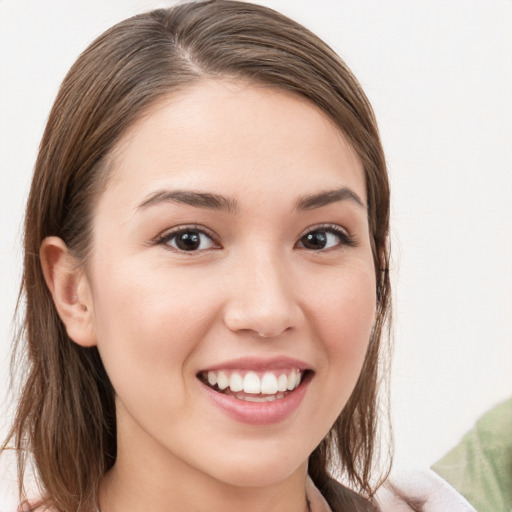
column 252, row 386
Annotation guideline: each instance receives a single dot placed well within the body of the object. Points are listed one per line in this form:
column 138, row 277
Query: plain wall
column 439, row 75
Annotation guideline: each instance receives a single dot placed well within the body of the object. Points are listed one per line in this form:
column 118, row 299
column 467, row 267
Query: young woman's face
column 231, row 250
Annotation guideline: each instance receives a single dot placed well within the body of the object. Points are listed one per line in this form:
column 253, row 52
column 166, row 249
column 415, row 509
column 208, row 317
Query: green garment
column 480, row 466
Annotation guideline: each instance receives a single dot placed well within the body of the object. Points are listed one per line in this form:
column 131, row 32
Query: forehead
column 228, row 136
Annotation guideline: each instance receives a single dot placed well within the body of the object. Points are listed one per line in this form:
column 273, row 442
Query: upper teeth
column 268, row 383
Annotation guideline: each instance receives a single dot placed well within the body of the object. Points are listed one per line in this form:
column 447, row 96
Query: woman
column 206, row 272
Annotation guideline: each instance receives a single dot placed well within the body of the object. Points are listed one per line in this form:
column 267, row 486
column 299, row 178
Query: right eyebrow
column 191, row 198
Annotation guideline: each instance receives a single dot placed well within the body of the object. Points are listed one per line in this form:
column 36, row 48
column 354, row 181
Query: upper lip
column 259, row 364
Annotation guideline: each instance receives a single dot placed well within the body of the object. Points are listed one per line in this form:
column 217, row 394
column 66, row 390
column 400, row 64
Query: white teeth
column 269, row 384
column 252, row 384
column 212, row 378
column 236, row 383
column 267, row 398
column 250, row 399
column 282, row 382
column 222, row 380
column 293, row 380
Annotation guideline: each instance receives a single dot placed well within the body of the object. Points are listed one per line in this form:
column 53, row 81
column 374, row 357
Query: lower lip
column 258, row 413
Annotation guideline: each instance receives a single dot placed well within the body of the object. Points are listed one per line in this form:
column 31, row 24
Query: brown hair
column 66, row 414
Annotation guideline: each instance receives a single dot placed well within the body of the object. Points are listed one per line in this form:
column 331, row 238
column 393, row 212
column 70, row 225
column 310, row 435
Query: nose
column 262, row 300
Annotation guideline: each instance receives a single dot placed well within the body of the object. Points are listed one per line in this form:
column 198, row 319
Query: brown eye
column 188, row 240
column 325, row 238
column 315, row 240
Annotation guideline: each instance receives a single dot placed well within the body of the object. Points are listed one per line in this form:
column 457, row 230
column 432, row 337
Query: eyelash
column 181, row 230
column 345, row 239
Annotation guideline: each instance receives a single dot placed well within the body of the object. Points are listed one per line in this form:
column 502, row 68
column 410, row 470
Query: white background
column 439, row 74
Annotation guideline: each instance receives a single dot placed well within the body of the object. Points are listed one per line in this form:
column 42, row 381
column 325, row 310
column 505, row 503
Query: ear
column 70, row 290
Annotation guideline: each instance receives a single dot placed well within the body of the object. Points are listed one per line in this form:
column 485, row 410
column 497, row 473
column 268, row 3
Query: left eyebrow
column 312, row 201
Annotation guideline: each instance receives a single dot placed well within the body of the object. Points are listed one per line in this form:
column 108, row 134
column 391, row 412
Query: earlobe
column 70, row 290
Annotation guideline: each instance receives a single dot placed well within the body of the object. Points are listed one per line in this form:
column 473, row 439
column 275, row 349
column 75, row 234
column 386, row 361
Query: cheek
column 342, row 314
column 344, row 318
column 146, row 321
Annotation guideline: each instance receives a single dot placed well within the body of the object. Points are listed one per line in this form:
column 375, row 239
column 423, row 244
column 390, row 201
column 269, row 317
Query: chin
column 257, row 479
column 260, row 472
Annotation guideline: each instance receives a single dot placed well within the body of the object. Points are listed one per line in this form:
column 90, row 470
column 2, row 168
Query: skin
column 160, row 315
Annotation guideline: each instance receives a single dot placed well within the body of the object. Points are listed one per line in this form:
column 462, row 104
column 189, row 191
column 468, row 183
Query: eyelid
column 347, row 239
column 166, row 235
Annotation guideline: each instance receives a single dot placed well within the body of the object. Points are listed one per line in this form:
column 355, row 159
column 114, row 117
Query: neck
column 119, row 493
column 145, row 477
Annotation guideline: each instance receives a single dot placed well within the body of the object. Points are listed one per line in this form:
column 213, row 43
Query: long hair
column 65, row 419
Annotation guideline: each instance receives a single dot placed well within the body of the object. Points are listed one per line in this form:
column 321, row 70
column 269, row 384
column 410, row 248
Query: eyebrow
column 191, row 198
column 218, row 202
column 313, row 201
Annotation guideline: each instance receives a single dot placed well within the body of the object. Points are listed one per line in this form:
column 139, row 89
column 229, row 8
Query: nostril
column 259, row 318
column 262, row 334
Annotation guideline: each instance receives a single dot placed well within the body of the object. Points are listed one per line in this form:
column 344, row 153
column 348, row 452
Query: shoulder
column 480, row 466
column 421, row 490
column 342, row 499
column 9, row 486
column 491, row 437
column 8, row 482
